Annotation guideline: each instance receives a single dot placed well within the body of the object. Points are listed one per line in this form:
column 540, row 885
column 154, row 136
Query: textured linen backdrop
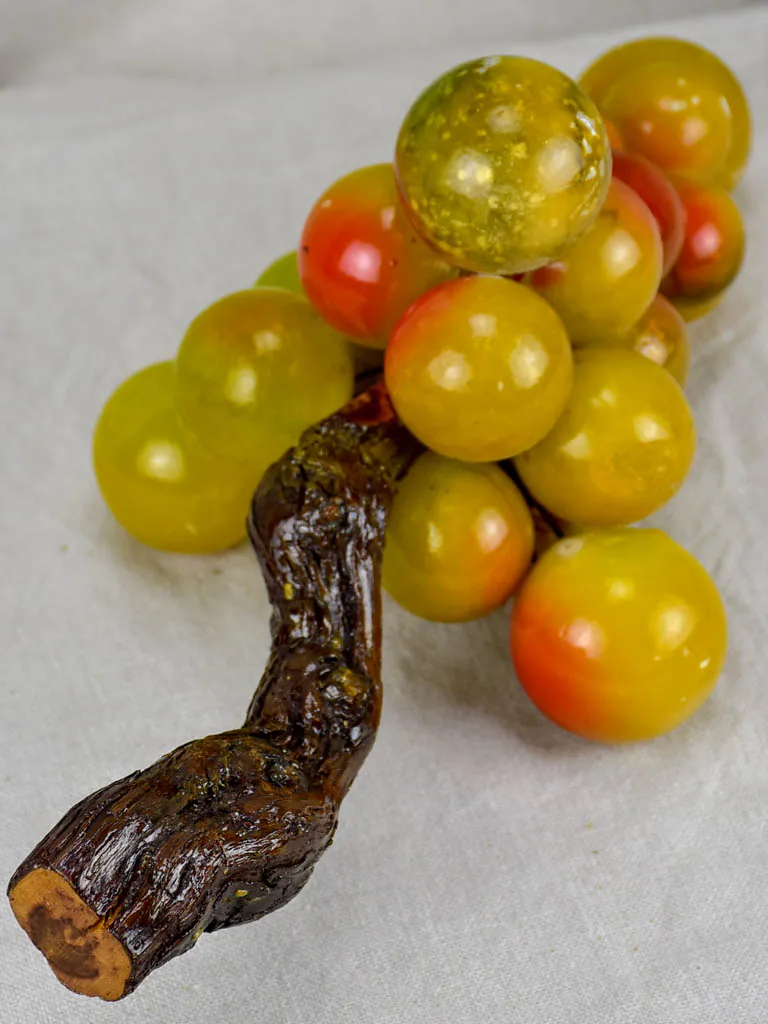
column 489, row 869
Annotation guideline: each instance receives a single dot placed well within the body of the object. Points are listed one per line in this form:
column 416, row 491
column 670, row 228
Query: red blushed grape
column 618, row 635
column 659, row 195
column 459, row 539
column 479, row 369
column 361, row 261
column 713, row 246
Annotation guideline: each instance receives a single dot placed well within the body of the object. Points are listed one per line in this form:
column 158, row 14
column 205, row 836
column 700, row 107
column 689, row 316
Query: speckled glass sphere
column 502, row 163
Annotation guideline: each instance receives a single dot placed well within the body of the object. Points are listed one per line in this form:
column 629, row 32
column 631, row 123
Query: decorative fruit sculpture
column 503, row 167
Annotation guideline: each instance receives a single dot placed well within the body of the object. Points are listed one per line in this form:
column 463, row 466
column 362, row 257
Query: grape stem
column 226, row 829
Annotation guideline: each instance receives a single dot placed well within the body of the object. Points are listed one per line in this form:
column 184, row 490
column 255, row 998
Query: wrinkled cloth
column 489, row 869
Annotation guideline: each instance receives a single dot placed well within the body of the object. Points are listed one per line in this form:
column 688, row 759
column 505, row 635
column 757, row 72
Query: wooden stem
column 226, row 829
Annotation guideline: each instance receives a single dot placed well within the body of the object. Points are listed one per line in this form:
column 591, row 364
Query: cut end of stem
column 72, row 937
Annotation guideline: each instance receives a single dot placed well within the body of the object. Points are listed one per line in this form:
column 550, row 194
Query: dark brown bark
column 228, row 828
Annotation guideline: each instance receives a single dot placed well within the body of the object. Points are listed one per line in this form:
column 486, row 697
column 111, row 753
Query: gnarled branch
column 225, row 829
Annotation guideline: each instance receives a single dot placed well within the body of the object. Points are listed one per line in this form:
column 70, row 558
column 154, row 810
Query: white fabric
column 489, row 869
column 250, row 37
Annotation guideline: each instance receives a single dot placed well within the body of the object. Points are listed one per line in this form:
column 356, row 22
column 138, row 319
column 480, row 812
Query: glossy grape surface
column 159, row 484
column 713, row 245
column 622, row 447
column 479, row 369
column 618, row 635
column 255, row 369
column 283, row 273
column 661, row 335
column 676, row 103
column 606, row 280
column 659, row 195
column 362, row 262
column 503, row 163
column 695, row 309
column 459, row 539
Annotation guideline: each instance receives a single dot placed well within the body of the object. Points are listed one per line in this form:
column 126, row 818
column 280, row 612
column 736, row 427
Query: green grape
column 283, row 273
column 159, row 484
column 256, row 369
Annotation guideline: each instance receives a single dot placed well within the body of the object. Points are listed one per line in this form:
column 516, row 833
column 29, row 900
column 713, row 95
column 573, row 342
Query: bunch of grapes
column 522, row 277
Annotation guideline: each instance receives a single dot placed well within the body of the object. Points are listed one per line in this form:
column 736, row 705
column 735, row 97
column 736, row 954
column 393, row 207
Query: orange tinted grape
column 459, row 539
column 618, row 635
column 479, row 369
column 676, row 103
column 661, row 335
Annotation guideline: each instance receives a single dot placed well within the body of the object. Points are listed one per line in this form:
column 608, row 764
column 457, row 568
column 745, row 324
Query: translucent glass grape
column 502, row 163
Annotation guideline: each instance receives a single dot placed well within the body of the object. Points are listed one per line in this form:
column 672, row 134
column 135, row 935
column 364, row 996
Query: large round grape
column 160, row 485
column 618, row 635
column 621, row 449
column 609, row 277
column 362, row 262
column 459, row 539
column 258, row 367
column 479, row 369
column 502, row 163
column 676, row 103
